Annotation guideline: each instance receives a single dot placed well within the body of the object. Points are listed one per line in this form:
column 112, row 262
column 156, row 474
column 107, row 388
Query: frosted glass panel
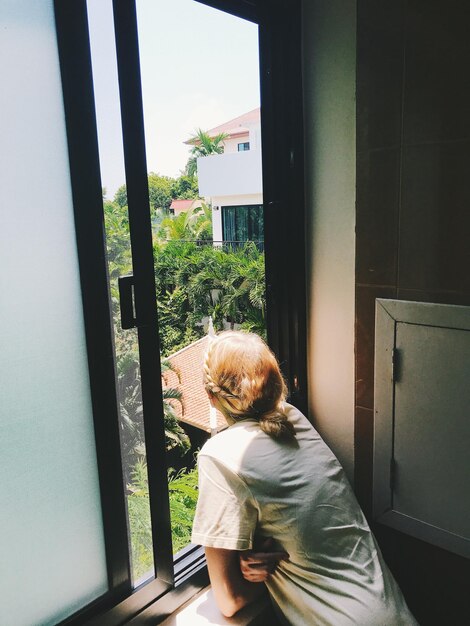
column 51, row 540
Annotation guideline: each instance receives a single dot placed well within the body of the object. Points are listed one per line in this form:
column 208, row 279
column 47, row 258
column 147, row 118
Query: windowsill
column 202, row 610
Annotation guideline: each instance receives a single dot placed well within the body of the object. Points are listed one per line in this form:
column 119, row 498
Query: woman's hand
column 257, row 566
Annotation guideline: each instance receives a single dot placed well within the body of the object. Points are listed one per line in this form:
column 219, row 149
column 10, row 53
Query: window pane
column 133, row 447
column 51, row 544
column 194, row 121
column 256, row 228
column 229, row 223
column 242, row 223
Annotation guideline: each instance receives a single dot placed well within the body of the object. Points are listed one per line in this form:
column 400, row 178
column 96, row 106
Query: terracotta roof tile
column 180, row 204
column 187, row 376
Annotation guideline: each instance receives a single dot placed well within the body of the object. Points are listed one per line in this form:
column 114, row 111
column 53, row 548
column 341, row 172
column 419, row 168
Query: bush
column 182, row 487
column 195, row 281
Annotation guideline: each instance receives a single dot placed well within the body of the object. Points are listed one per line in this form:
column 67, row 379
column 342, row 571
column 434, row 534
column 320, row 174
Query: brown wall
column 412, row 227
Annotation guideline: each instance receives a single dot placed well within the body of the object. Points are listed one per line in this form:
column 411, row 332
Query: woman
column 270, row 480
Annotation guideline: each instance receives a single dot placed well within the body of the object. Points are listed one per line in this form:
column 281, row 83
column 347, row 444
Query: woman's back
column 254, row 486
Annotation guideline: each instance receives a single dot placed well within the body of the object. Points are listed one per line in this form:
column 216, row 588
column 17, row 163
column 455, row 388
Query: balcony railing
column 227, row 246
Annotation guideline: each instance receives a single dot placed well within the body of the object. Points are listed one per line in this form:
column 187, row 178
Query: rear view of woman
column 270, row 475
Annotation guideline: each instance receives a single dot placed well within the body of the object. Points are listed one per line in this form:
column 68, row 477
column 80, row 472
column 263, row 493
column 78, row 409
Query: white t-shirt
column 251, row 485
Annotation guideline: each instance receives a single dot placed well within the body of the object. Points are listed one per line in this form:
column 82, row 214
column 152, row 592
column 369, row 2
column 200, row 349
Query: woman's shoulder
column 247, row 432
column 231, row 442
column 299, row 420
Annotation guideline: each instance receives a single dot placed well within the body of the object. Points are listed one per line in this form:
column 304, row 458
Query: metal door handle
column 126, row 302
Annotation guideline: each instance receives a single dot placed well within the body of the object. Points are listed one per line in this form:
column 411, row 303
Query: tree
column 120, row 197
column 194, row 282
column 204, row 146
column 183, row 491
column 127, row 359
column 185, row 187
column 203, row 224
column 195, row 224
column 117, row 247
column 161, row 192
column 130, row 396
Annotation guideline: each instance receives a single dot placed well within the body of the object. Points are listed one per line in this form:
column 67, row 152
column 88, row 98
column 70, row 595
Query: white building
column 232, row 181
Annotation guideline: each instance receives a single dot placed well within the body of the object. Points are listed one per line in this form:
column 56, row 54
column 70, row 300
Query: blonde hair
column 242, row 376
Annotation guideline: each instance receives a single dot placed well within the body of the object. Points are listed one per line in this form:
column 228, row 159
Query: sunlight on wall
column 329, row 104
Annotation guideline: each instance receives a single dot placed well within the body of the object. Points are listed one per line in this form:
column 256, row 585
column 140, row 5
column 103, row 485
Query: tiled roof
column 234, row 127
column 187, row 377
column 181, row 204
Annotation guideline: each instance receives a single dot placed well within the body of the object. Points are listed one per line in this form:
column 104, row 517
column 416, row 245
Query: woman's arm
column 232, row 592
column 258, row 564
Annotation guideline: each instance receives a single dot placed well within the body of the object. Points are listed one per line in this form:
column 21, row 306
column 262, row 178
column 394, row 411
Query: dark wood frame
column 282, row 134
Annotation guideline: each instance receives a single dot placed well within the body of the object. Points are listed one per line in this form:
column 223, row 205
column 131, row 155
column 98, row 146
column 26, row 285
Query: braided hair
column 243, row 378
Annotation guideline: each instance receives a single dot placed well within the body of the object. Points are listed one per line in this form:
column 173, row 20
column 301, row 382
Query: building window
column 243, row 147
column 243, row 223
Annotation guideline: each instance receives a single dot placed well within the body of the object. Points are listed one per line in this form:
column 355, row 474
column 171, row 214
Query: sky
column 199, row 66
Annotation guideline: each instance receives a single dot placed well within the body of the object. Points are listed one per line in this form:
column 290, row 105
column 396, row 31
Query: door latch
column 126, row 302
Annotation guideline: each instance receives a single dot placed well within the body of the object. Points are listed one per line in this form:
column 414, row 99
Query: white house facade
column 232, row 181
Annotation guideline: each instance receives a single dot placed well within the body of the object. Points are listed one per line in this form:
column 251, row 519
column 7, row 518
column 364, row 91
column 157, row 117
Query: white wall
column 237, row 200
column 231, row 144
column 229, row 174
column 217, row 234
column 329, row 58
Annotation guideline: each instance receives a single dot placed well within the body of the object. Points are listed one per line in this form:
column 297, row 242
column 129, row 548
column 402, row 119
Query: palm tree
column 178, row 226
column 204, row 146
column 195, row 224
column 203, row 223
column 132, row 433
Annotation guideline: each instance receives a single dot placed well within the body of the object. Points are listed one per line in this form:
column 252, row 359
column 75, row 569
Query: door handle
column 126, row 302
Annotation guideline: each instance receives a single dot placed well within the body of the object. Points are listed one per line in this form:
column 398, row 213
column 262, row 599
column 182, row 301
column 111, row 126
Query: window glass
column 51, row 544
column 229, row 224
column 243, row 223
column 192, row 121
column 119, row 257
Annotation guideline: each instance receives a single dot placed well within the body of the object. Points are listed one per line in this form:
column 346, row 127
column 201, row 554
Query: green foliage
column 182, row 487
column 127, row 360
column 203, row 226
column 139, row 521
column 118, row 246
column 130, row 396
column 194, row 282
column 162, row 190
column 185, row 187
column 204, row 145
column 120, row 197
column 195, row 224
